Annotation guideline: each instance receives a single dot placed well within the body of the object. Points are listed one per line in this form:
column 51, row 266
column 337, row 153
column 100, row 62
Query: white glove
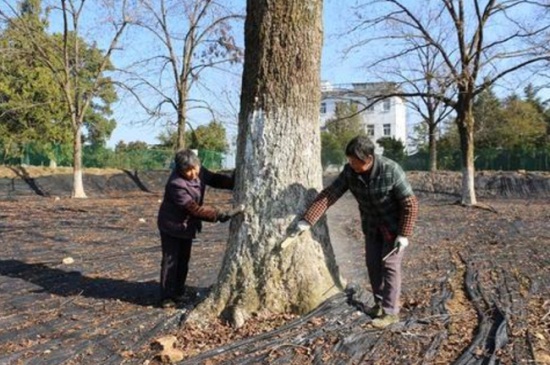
column 400, row 243
column 302, row 226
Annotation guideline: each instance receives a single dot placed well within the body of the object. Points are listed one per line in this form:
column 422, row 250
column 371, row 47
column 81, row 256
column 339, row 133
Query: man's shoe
column 375, row 311
column 385, row 320
column 168, row 303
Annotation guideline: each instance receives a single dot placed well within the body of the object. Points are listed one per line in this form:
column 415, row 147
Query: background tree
column 424, row 78
column 279, row 169
column 487, row 111
column 339, row 130
column 393, row 148
column 78, row 68
column 211, row 137
column 346, row 123
column 122, row 146
column 331, row 151
column 522, row 126
column 475, row 55
column 541, row 106
column 194, row 36
column 31, row 107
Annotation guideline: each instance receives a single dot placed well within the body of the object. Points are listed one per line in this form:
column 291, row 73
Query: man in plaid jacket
column 388, row 211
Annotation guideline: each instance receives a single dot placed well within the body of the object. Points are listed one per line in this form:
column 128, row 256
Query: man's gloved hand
column 400, row 243
column 301, row 226
column 223, row 217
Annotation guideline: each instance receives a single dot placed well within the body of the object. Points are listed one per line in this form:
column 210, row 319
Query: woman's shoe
column 168, row 303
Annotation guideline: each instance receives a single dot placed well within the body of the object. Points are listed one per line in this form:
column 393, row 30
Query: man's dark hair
column 360, row 147
column 185, row 159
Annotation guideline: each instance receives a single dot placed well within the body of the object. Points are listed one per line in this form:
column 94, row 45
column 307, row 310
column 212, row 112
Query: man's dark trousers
column 385, row 276
column 176, row 253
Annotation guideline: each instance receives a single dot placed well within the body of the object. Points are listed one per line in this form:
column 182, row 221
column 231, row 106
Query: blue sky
column 333, row 70
column 225, row 86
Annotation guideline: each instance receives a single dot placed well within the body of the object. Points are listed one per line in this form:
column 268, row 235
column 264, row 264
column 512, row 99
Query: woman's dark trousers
column 176, row 253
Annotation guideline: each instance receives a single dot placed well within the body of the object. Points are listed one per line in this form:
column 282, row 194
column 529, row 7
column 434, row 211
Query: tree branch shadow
column 135, row 178
column 31, row 182
column 73, row 283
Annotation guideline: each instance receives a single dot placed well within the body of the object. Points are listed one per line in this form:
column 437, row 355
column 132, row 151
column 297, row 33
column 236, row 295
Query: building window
column 323, row 108
column 387, row 105
column 370, row 109
column 387, row 129
column 370, row 130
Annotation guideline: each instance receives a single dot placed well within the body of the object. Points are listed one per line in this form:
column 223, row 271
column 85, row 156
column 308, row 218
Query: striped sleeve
column 408, row 215
column 325, row 199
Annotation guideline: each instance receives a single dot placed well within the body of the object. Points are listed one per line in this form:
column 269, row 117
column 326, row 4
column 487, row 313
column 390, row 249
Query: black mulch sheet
column 476, row 289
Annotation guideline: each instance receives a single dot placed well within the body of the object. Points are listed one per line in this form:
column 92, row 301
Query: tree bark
column 181, row 131
column 278, row 171
column 182, row 115
column 465, row 121
column 432, row 143
column 78, row 184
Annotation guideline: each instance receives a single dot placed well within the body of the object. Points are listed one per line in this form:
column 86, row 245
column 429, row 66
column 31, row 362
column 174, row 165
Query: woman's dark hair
column 360, row 147
column 185, row 159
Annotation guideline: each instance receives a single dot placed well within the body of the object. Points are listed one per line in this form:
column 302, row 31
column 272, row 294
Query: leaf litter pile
column 79, row 285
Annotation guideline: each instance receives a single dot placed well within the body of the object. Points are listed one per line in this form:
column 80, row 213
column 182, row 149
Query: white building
column 386, row 118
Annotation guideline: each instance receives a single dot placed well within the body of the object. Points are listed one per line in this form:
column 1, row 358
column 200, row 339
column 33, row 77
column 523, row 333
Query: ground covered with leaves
column 79, row 285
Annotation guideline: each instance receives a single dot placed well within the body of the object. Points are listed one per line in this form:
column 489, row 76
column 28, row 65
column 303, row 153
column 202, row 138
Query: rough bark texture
column 433, row 146
column 279, row 170
column 465, row 122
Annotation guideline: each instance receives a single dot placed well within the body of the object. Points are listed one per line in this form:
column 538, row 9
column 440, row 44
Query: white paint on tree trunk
column 280, row 170
column 468, row 186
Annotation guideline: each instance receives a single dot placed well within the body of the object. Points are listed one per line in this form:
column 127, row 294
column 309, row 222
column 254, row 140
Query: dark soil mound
column 488, row 184
column 510, row 184
column 94, row 185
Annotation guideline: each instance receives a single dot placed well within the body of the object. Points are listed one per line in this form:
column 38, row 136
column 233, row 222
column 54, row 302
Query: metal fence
column 153, row 159
column 100, row 157
column 484, row 159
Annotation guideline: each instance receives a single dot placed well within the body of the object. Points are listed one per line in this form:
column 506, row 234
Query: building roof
column 357, row 89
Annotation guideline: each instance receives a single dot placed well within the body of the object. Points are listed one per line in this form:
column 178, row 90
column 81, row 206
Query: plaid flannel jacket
column 386, row 201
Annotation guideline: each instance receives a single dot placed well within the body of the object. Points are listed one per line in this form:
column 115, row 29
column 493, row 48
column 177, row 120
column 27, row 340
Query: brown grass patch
column 11, row 172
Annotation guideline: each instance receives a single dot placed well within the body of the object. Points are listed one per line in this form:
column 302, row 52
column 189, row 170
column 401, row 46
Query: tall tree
column 346, row 123
column 487, row 111
column 393, row 148
column 279, row 169
column 78, row 69
column 194, row 36
column 432, row 111
column 31, row 108
column 480, row 41
column 541, row 106
column 521, row 126
column 210, row 137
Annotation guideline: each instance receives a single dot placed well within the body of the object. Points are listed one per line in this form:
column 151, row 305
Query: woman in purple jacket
column 179, row 219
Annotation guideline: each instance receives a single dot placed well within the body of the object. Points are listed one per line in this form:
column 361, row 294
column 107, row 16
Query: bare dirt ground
column 476, row 288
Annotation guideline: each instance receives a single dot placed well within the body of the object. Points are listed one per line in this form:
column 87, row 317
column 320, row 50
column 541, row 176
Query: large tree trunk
column 78, row 185
column 279, row 170
column 465, row 121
